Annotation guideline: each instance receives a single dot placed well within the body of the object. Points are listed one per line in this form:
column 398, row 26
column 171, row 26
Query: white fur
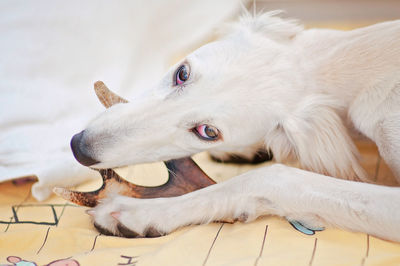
column 296, row 194
column 295, row 91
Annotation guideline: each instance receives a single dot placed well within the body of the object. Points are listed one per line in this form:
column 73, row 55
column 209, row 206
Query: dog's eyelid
column 195, row 123
column 185, row 63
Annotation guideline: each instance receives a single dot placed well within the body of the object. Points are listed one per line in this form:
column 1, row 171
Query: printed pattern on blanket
column 56, row 232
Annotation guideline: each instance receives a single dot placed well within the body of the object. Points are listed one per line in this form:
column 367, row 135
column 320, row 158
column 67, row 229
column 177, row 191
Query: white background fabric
column 53, row 51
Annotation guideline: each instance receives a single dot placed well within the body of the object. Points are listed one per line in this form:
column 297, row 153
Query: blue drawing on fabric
column 307, row 230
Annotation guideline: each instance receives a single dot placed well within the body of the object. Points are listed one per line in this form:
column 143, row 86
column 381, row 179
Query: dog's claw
column 90, row 212
column 115, row 215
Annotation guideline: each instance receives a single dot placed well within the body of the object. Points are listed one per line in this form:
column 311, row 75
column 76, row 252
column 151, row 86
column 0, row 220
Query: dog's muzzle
column 184, row 174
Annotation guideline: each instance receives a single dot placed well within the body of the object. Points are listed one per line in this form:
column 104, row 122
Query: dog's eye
column 181, row 75
column 207, row 132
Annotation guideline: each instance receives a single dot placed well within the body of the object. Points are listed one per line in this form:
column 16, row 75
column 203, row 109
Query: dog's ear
column 315, row 135
column 268, row 24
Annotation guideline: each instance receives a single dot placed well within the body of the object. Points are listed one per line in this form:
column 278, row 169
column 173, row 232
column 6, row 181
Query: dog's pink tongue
column 184, row 174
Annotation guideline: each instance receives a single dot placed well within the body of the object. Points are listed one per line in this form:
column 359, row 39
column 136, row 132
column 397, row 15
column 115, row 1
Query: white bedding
column 53, row 51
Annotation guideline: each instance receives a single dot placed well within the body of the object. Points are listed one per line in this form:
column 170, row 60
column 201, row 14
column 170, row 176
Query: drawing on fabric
column 15, row 219
column 17, row 261
column 307, row 230
column 129, row 260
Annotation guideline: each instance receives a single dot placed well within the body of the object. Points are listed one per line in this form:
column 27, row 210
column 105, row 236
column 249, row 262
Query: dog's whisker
column 170, row 172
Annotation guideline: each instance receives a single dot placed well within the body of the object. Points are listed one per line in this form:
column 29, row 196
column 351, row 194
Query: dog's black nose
column 79, row 149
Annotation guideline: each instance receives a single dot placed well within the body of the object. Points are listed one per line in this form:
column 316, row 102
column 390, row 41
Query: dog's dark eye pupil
column 183, row 75
column 210, row 132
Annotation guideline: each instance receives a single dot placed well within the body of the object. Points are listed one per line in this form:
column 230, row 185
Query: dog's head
column 229, row 96
column 215, row 99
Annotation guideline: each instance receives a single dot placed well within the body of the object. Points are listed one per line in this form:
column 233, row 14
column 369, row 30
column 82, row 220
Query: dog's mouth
column 184, row 174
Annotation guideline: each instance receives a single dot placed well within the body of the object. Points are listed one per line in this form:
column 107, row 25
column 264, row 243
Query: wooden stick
column 106, row 96
column 184, row 176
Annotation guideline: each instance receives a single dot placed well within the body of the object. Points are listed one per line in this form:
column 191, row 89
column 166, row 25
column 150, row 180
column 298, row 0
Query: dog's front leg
column 240, row 198
column 299, row 195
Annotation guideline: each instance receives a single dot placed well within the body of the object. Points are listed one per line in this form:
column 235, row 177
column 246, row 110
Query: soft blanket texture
column 45, row 232
column 53, row 52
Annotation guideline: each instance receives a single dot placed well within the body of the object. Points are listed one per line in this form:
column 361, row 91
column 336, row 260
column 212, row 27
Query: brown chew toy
column 107, row 97
column 184, row 174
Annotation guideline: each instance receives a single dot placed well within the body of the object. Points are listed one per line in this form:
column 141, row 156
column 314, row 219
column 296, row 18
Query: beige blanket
column 47, row 232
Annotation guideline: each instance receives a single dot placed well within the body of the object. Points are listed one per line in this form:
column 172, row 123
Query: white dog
column 266, row 83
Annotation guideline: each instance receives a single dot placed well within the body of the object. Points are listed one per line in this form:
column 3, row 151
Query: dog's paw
column 129, row 217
